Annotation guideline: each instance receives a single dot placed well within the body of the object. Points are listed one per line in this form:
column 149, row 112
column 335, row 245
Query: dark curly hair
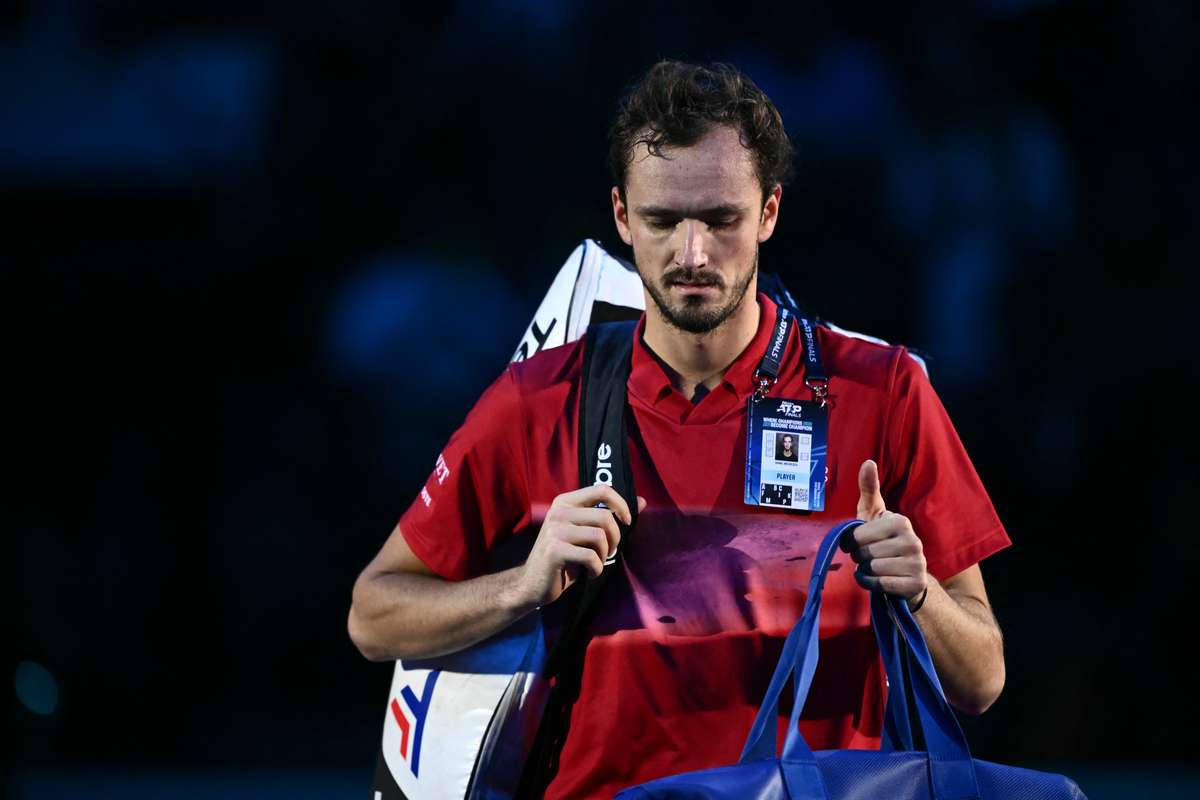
column 676, row 103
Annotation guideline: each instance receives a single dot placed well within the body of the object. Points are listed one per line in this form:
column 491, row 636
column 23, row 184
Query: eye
column 663, row 224
column 721, row 223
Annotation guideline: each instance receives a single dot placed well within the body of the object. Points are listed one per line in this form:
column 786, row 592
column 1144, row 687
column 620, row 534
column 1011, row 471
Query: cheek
column 740, row 244
column 650, row 245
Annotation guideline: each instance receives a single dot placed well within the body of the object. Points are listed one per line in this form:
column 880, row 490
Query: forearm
column 967, row 648
column 405, row 615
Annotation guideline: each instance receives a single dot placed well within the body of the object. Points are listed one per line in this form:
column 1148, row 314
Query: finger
column 870, row 500
column 892, row 547
column 901, row 587
column 586, row 536
column 885, row 526
column 901, row 567
column 602, row 518
column 868, row 482
column 868, row 582
column 864, row 535
column 584, row 557
column 641, row 501
column 589, row 496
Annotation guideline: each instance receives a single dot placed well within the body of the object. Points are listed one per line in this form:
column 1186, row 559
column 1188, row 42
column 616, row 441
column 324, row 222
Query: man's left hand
column 885, row 547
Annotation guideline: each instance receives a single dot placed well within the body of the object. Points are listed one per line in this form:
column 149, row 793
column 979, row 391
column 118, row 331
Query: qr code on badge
column 776, row 494
column 800, row 497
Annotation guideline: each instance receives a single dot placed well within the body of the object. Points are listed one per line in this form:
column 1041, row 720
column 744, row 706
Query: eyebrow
column 724, row 210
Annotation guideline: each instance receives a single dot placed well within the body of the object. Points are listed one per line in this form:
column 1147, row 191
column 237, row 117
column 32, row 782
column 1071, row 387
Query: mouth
column 694, row 287
column 694, row 282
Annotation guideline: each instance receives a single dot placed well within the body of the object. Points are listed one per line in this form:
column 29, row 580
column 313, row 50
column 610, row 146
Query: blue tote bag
column 944, row 771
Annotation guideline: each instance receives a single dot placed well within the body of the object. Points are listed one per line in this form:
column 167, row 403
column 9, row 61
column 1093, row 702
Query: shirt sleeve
column 928, row 477
column 477, row 494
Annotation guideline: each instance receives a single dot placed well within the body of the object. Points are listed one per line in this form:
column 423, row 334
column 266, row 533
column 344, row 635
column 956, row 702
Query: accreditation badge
column 786, row 442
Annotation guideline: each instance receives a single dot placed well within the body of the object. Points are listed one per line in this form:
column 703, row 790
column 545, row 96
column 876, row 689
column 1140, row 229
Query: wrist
column 513, row 596
column 915, row 603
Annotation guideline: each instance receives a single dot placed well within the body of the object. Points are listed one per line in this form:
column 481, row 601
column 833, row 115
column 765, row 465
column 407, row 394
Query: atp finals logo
column 788, row 408
column 411, row 719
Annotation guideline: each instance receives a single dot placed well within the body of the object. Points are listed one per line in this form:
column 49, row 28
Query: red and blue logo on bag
column 419, row 711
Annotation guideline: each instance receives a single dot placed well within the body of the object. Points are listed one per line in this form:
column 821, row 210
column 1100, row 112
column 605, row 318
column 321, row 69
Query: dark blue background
column 259, row 260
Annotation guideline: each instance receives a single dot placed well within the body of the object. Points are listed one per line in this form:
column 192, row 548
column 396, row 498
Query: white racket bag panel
column 592, row 285
column 459, row 726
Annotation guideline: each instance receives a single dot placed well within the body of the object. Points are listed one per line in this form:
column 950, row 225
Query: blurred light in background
column 36, row 688
column 446, row 322
column 1044, row 186
column 962, row 282
column 184, row 108
column 844, row 99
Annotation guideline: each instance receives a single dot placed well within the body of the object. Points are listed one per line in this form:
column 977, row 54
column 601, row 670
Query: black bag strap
column 603, row 458
column 603, row 452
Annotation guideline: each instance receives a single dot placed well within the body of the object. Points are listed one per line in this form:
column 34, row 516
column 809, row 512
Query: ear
column 621, row 217
column 770, row 214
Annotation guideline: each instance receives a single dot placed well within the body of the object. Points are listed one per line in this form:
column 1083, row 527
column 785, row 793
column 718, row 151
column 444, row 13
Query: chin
column 700, row 317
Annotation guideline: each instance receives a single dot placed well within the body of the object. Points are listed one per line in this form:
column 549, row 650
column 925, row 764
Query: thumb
column 641, row 501
column 870, row 501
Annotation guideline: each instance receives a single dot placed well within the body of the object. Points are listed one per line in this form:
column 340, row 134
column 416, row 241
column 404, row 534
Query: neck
column 700, row 359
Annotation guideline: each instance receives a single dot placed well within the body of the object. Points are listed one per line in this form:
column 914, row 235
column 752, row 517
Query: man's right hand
column 403, row 609
column 576, row 538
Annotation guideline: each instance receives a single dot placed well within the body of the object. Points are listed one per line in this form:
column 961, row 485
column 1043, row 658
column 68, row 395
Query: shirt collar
column 648, row 378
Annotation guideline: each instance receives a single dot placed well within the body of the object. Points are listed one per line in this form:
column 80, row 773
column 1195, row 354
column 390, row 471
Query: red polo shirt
column 686, row 641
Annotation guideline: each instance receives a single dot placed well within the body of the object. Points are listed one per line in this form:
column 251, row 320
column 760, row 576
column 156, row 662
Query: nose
column 690, row 250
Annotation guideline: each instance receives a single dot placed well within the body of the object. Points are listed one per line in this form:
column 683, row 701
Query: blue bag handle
column 761, row 742
column 951, row 767
column 897, row 722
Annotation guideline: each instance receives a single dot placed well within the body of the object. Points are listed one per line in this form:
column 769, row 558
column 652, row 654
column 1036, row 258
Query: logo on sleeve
column 441, row 470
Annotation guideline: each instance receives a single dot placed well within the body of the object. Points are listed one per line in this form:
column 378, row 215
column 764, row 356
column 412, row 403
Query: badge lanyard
column 787, row 440
column 768, row 369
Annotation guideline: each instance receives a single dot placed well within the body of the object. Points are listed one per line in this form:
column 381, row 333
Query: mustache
column 693, row 276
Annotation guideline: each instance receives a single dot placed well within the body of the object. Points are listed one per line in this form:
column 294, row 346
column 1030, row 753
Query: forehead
column 716, row 170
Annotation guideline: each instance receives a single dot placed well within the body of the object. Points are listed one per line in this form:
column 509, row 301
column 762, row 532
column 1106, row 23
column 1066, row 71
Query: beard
column 691, row 313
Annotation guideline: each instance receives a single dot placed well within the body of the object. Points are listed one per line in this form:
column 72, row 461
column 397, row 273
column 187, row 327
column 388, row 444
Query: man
column 689, row 632
column 785, row 451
